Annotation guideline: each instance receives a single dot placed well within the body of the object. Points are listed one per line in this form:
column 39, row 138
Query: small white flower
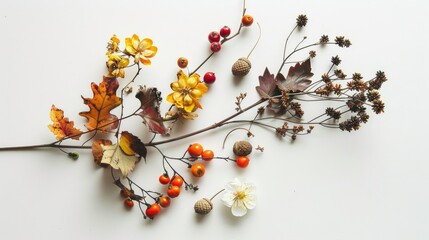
column 239, row 196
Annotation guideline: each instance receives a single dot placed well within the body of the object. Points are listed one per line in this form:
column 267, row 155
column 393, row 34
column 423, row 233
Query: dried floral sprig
column 279, row 109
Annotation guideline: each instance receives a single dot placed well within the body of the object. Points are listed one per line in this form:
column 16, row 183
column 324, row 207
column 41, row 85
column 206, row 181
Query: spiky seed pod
column 203, row 206
column 241, row 67
column 242, row 148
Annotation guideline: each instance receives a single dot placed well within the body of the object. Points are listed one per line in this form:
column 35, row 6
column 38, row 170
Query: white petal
column 238, row 209
column 250, row 202
column 228, row 199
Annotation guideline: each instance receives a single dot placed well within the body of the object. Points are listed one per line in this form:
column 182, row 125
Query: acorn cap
column 241, row 67
column 203, row 206
column 242, row 148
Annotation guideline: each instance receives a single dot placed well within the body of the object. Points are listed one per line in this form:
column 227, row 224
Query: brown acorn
column 242, row 148
column 241, row 67
column 203, row 206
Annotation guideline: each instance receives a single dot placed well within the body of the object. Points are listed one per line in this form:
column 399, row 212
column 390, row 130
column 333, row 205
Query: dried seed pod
column 242, row 148
column 203, row 206
column 241, row 67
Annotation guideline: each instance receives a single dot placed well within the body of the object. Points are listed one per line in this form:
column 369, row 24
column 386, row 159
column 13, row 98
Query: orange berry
column 247, row 20
column 195, row 149
column 198, row 170
column 207, row 155
column 182, row 62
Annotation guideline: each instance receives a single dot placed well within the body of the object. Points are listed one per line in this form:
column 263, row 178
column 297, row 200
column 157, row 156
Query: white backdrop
column 369, row 184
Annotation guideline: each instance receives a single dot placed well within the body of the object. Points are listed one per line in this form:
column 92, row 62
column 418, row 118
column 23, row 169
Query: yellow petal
column 145, row 43
column 175, row 86
column 181, row 79
column 189, row 108
column 197, row 103
column 129, row 46
column 123, row 63
column 115, row 39
column 145, row 61
column 202, row 87
column 192, row 81
column 135, row 42
column 178, row 97
column 170, row 98
column 150, row 52
column 195, row 93
column 187, row 100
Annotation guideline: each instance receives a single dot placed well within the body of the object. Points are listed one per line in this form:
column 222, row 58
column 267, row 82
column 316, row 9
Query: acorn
column 203, row 206
column 241, row 67
column 242, row 148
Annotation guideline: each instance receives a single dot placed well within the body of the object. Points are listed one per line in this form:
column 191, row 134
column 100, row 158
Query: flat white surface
column 370, row 184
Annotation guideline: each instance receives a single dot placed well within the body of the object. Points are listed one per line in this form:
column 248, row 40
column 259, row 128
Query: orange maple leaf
column 104, row 100
column 62, row 127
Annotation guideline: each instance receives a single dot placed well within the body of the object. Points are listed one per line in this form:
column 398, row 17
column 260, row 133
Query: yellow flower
column 116, row 64
column 187, row 92
column 141, row 50
column 112, row 45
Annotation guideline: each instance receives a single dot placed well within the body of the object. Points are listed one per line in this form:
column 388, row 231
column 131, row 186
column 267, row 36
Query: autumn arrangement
column 279, row 109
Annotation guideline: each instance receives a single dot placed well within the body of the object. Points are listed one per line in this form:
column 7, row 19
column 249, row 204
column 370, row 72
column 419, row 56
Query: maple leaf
column 150, row 99
column 132, row 145
column 267, row 85
column 62, row 127
column 297, row 79
column 97, row 149
column 117, row 159
column 104, row 100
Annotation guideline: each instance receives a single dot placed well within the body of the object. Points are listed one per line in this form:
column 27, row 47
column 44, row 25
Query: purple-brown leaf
column 267, row 85
column 150, row 99
column 297, row 79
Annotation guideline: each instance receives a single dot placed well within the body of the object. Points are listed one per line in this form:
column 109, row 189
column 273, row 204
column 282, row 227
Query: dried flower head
column 336, row 60
column 301, row 20
column 187, row 91
column 324, row 39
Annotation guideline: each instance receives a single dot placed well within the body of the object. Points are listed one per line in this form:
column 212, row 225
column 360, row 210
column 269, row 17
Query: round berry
column 242, row 161
column 207, row 155
column 214, row 37
column 215, row 46
column 209, row 77
column 128, row 203
column 195, row 149
column 164, row 179
column 164, row 201
column 182, row 62
column 198, row 170
column 247, row 20
column 177, row 181
column 153, row 210
column 225, row 31
column 173, row 191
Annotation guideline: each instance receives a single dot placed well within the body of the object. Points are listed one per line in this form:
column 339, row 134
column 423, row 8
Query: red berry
column 225, row 31
column 153, row 210
column 214, row 37
column 242, row 161
column 128, row 203
column 215, row 46
column 209, row 77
